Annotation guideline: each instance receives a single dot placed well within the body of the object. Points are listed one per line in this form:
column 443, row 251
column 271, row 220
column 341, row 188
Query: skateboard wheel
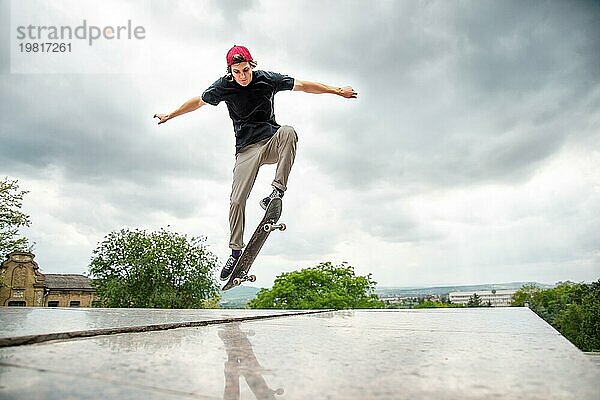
column 268, row 227
column 237, row 281
column 282, row 227
column 252, row 278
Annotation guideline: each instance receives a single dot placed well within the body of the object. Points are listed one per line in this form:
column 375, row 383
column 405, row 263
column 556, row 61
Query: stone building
column 22, row 284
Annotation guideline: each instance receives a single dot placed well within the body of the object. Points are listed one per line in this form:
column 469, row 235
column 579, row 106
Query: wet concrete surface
column 20, row 325
column 498, row 353
column 594, row 357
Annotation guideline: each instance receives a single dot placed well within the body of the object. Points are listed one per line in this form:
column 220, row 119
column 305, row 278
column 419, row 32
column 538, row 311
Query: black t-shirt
column 250, row 107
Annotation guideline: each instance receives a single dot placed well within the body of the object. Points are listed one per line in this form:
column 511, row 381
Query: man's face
column 242, row 73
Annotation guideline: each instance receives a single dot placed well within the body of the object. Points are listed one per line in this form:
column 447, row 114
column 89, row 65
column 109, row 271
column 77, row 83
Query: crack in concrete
column 41, row 338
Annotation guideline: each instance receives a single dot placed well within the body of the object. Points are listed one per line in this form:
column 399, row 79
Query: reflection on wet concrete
column 241, row 362
column 452, row 354
column 13, row 319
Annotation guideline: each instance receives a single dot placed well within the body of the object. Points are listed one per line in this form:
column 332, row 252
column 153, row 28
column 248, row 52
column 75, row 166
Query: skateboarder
column 249, row 94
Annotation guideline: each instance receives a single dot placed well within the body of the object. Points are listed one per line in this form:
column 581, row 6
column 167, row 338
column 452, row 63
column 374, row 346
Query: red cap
column 241, row 50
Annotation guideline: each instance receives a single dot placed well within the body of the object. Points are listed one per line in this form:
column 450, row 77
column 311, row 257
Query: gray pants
column 280, row 149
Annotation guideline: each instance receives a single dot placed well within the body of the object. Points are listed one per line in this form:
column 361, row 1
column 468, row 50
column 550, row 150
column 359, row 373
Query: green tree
column 12, row 218
column 579, row 321
column 323, row 286
column 525, row 295
column 572, row 308
column 133, row 268
column 474, row 301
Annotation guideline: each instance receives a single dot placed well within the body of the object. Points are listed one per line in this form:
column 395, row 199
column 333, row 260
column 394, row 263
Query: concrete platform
column 21, row 325
column 498, row 353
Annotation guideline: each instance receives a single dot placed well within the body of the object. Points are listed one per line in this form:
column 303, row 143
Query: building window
column 74, row 303
column 16, row 303
column 53, row 303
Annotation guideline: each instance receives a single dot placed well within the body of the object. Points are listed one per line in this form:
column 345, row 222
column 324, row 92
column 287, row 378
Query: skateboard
column 267, row 225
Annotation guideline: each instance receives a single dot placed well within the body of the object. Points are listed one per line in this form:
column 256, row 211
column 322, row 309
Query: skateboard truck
column 271, row 227
column 238, row 281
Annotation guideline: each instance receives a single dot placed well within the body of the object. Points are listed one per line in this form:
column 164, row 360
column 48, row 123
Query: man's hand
column 347, row 92
column 162, row 117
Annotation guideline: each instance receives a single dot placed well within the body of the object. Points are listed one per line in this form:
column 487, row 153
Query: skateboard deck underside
column 256, row 242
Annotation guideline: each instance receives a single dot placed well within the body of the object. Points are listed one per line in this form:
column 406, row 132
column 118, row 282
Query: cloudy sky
column 472, row 154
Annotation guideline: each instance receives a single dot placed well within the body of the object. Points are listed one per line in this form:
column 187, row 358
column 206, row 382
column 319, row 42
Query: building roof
column 68, row 281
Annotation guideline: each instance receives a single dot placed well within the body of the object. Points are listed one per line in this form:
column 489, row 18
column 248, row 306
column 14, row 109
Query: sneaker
column 276, row 193
column 229, row 266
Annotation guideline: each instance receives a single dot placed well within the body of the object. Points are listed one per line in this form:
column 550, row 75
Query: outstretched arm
column 318, row 88
column 190, row 105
